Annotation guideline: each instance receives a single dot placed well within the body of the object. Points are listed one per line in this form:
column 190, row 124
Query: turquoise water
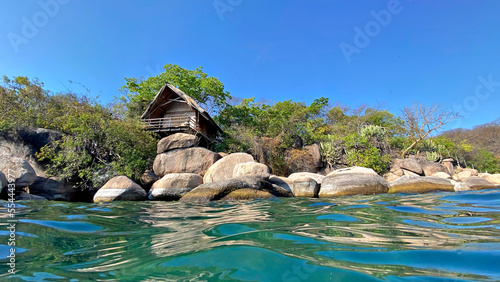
column 431, row 237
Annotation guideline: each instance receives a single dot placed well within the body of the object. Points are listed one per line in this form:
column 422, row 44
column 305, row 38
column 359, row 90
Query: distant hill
column 485, row 136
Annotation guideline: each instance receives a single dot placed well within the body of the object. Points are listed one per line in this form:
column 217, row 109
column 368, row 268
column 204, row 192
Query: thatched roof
column 161, row 96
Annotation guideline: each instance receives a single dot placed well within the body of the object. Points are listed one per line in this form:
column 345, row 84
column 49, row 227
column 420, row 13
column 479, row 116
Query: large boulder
column 355, row 170
column 305, row 186
column 223, row 169
column 346, row 184
column 449, row 163
column 390, row 177
column 55, row 189
column 466, row 173
column 176, row 141
column 247, row 194
column 410, row 164
column 317, row 177
column 440, row 174
column 417, row 184
column 475, row 183
column 38, row 137
column 282, row 182
column 175, row 185
column 3, row 181
column 18, row 169
column 315, row 155
column 430, row 168
column 120, row 188
column 306, row 159
column 147, row 179
column 25, row 142
column 252, row 169
column 493, row 178
column 217, row 190
column 191, row 160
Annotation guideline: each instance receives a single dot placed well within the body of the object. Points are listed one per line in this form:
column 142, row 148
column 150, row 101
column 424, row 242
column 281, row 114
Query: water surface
column 431, row 237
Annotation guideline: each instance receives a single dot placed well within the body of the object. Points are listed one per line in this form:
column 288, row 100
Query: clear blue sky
column 429, row 51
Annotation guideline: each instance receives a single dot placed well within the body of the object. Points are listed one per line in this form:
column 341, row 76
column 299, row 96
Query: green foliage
column 373, row 131
column 360, row 152
column 206, row 90
column 485, row 161
column 329, row 149
column 432, row 156
column 94, row 141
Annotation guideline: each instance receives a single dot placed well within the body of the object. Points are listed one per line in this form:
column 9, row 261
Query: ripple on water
column 72, row 227
column 338, row 217
column 5, row 251
column 419, row 210
column 436, row 236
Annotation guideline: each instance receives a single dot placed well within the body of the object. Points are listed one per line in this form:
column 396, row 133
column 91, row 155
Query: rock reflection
column 188, row 225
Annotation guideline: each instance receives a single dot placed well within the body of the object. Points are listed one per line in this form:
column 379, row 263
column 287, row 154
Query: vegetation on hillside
column 103, row 141
column 95, row 142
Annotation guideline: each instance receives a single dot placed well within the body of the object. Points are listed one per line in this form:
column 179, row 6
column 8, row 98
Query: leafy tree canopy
column 208, row 91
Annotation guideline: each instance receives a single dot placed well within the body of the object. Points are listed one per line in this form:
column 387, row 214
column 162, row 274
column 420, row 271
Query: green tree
column 94, row 141
column 206, row 90
column 485, row 161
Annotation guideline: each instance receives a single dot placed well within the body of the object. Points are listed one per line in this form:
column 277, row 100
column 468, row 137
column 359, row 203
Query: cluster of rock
column 182, row 171
column 19, row 168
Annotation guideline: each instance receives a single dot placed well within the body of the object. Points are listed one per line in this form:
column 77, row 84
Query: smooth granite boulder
column 346, row 184
column 176, row 141
column 305, row 186
column 120, row 188
column 475, row 183
column 217, row 190
column 247, row 194
column 493, row 178
column 147, row 179
column 252, row 169
column 17, row 169
column 223, row 169
column 355, row 170
column 173, row 186
column 55, row 189
column 409, row 164
column 317, row 177
column 440, row 174
column 418, row 184
column 3, row 181
column 282, row 182
column 430, row 168
column 190, row 160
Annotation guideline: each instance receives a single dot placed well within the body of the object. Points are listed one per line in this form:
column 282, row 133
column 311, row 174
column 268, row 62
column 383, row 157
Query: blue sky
column 435, row 52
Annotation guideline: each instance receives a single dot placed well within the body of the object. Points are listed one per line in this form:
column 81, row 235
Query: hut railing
column 171, row 123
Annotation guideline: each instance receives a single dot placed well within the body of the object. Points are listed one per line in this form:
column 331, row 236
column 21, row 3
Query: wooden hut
column 173, row 111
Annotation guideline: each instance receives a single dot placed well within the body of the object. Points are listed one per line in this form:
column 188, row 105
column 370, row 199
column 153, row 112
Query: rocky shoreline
column 187, row 173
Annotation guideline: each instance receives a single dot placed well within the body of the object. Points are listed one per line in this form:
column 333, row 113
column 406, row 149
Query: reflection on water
column 443, row 236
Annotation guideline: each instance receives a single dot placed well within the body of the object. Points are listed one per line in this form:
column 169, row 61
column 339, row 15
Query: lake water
column 430, row 237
